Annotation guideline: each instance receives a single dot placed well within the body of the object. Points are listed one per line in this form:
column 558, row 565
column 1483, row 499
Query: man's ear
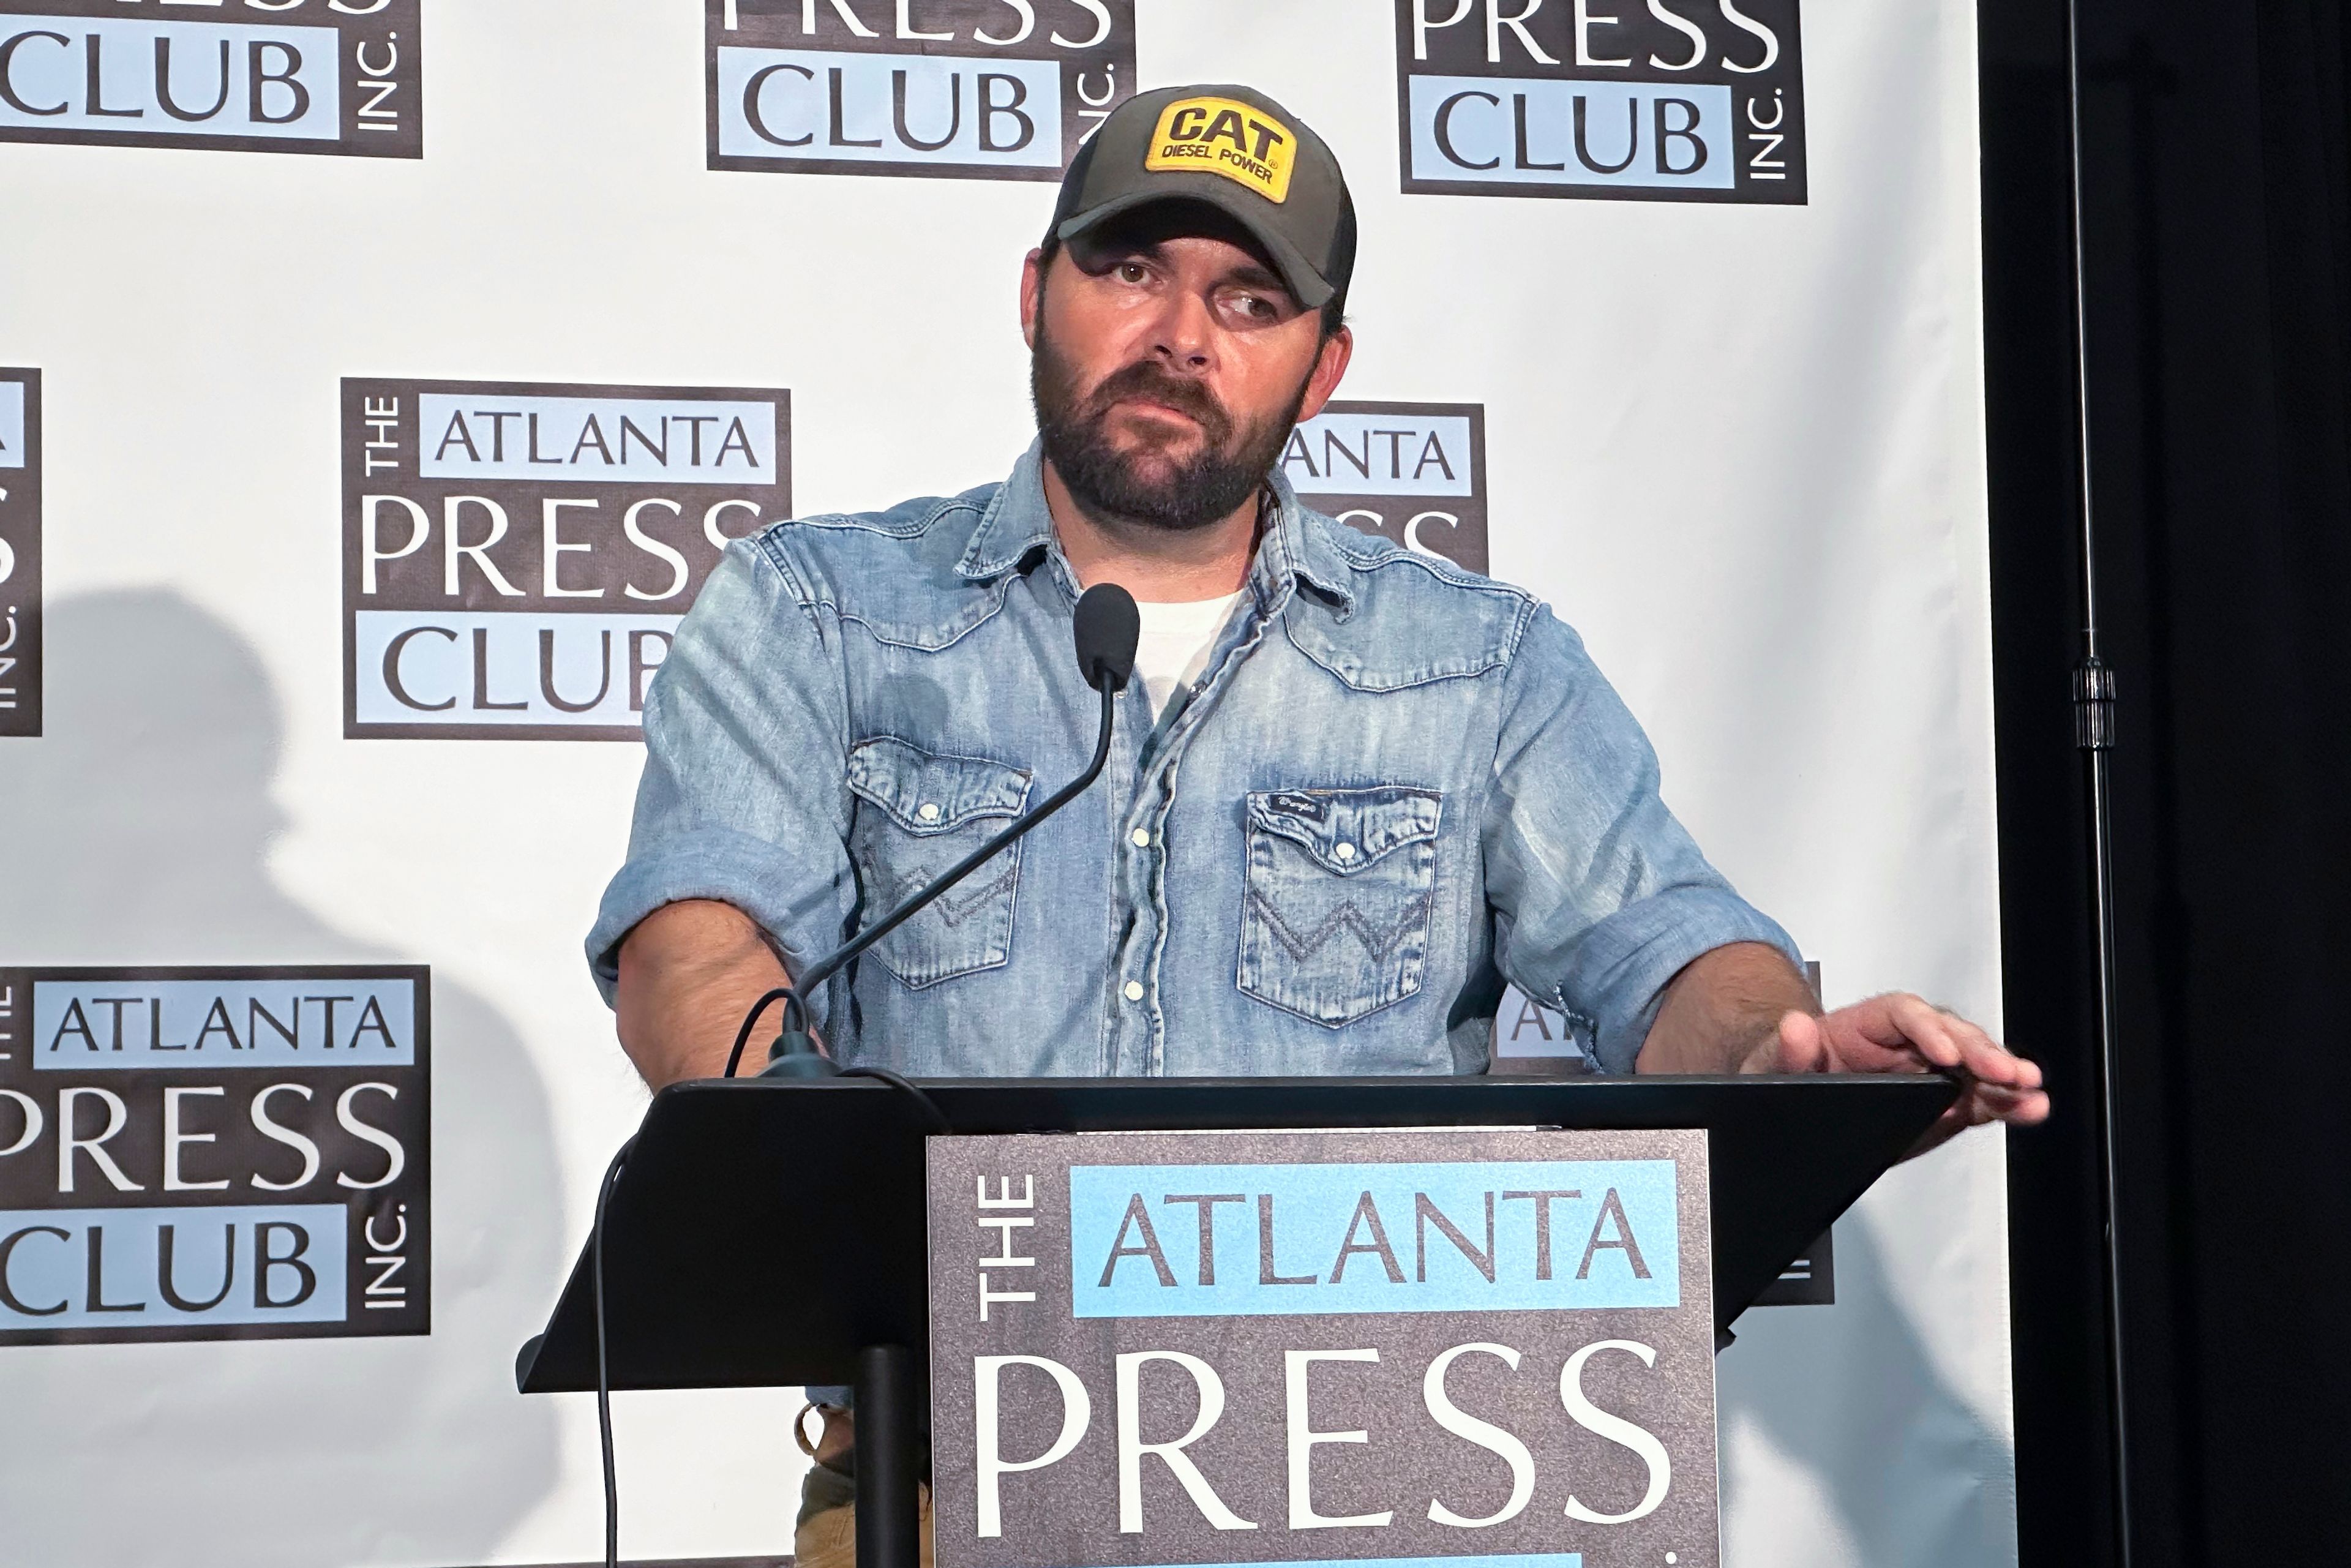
column 1033, row 291
column 1330, row 365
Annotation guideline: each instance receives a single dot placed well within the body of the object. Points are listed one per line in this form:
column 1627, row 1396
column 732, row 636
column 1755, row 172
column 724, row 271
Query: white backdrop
column 1740, row 448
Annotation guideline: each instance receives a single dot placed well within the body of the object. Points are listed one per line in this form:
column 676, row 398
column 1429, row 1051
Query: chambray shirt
column 1396, row 785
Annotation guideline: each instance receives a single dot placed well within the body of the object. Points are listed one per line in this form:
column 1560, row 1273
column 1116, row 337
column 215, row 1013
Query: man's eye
column 1132, row 272
column 1255, row 306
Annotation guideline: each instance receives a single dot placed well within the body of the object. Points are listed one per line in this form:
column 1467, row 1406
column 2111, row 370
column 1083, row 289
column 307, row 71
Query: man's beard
column 1146, row 486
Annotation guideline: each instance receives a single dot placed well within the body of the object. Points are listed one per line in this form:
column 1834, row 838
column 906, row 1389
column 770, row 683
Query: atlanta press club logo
column 1686, row 100
column 20, row 552
column 989, row 89
column 1413, row 473
column 518, row 556
column 213, row 1154
column 249, row 76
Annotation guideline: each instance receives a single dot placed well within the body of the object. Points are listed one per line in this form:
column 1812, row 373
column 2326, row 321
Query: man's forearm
column 689, row 972
column 1722, row 1008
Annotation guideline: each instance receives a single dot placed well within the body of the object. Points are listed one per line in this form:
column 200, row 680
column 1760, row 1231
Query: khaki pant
column 826, row 1535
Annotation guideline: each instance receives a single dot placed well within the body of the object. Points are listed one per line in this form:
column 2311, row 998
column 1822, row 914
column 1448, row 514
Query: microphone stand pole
column 2094, row 737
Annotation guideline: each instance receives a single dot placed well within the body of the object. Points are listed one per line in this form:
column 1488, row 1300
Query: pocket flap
column 1347, row 830
column 924, row 792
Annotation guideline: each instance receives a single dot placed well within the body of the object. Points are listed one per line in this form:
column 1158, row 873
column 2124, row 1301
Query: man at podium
column 1356, row 792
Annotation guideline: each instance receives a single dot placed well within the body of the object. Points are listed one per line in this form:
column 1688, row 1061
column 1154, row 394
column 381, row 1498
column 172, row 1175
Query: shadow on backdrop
column 138, row 832
column 1910, row 1472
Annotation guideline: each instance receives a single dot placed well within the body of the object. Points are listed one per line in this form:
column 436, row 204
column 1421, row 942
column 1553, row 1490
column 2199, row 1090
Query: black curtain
column 2217, row 148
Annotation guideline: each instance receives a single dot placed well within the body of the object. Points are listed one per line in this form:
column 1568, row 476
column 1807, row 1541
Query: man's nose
column 1183, row 336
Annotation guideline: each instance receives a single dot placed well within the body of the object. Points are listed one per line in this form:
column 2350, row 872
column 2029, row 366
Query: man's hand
column 1898, row 1033
column 1742, row 1009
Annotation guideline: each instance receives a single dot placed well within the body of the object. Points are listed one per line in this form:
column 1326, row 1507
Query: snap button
column 929, row 811
column 1135, row 990
column 1345, row 852
column 1141, row 838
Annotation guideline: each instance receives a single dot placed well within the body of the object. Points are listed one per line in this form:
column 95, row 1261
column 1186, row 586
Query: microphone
column 1107, row 627
column 1106, row 630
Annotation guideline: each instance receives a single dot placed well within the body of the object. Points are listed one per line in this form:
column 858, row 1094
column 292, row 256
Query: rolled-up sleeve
column 742, row 799
column 1600, row 895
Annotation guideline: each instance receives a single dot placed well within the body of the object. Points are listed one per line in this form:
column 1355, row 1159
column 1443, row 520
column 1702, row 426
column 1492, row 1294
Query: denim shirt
column 1396, row 785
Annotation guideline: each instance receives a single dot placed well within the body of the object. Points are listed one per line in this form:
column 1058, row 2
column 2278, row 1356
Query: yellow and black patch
column 1226, row 137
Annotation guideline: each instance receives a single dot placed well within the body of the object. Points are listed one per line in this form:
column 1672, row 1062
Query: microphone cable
column 791, row 999
column 603, row 1366
column 792, row 1005
column 907, row 1087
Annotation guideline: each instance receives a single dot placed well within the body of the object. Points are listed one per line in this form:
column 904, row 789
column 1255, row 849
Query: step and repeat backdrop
column 349, row 503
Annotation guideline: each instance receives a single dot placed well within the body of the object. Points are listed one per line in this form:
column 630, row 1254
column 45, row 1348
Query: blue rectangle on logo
column 1337, row 454
column 11, row 424
column 165, row 1268
column 537, row 437
column 1238, row 1240
column 808, row 104
column 314, row 1021
column 129, row 77
column 1545, row 131
column 414, row 666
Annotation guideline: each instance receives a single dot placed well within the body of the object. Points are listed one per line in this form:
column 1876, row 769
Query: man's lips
column 1149, row 419
column 1143, row 402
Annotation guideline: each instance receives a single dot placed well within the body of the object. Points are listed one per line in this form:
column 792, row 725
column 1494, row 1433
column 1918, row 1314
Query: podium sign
column 1429, row 1346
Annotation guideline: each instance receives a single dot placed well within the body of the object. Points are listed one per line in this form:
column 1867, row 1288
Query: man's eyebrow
column 1249, row 275
column 1152, row 251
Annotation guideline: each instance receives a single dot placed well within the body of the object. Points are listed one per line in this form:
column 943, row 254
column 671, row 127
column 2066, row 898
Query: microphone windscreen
column 1108, row 627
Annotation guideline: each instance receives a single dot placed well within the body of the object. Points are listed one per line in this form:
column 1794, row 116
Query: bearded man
column 1356, row 792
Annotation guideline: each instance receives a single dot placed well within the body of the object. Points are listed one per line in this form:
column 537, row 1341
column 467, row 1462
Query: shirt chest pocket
column 1340, row 885
column 919, row 814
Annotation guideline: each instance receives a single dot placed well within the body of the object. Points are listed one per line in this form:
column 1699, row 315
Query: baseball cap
column 1235, row 150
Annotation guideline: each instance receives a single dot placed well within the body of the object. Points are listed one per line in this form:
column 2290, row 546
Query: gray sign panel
column 1411, row 472
column 516, row 555
column 1674, row 101
column 195, row 1154
column 20, row 552
column 984, row 90
column 260, row 76
column 1428, row 1347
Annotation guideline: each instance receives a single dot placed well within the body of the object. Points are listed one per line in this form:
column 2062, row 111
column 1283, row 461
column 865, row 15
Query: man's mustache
column 1144, row 379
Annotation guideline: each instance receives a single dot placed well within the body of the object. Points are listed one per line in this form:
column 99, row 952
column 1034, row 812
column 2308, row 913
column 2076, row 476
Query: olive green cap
column 1239, row 151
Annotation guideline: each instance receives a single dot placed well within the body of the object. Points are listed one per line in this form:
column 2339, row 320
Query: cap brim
column 1297, row 272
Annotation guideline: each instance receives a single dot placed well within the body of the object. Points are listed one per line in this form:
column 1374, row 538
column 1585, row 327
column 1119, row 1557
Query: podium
column 768, row 1232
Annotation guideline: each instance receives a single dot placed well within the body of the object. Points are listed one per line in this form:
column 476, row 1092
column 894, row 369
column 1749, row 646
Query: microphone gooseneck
column 1105, row 629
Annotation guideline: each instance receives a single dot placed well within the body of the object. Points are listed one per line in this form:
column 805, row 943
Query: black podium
column 768, row 1232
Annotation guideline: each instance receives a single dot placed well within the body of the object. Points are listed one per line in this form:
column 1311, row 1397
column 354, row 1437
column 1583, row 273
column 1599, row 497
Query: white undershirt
column 1174, row 648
